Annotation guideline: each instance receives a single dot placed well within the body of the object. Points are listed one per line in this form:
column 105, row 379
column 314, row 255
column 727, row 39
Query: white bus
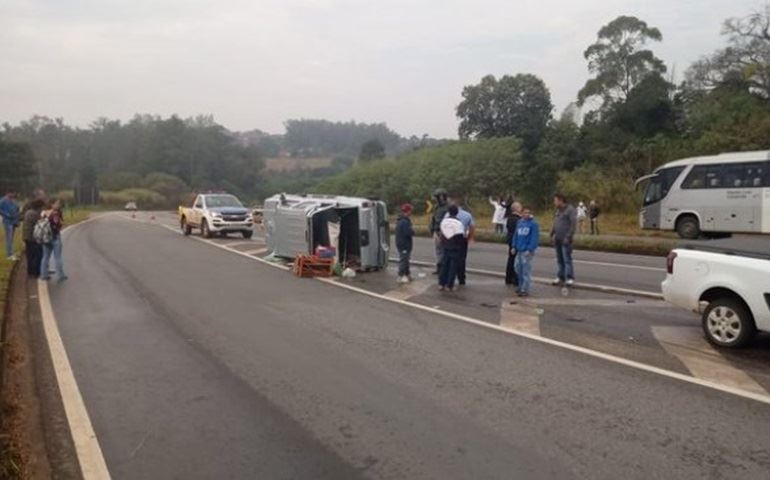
column 727, row 193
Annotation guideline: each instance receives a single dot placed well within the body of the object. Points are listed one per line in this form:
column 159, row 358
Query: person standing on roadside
column 32, row 249
column 404, row 242
column 593, row 215
column 562, row 236
column 514, row 216
column 498, row 215
column 9, row 211
column 523, row 246
column 453, row 236
column 440, row 197
column 465, row 217
column 582, row 214
column 54, row 216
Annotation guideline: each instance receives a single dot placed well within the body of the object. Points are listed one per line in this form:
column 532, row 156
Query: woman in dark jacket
column 510, row 226
column 404, row 242
column 32, row 249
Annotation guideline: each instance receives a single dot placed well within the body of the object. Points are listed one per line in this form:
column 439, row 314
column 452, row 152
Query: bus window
column 660, row 184
column 704, row 176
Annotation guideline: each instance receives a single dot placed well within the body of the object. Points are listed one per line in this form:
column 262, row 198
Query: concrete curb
column 545, row 281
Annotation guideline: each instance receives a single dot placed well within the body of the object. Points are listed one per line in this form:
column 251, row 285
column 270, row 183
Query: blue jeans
column 564, row 260
column 9, row 229
column 524, row 270
column 55, row 248
column 449, row 267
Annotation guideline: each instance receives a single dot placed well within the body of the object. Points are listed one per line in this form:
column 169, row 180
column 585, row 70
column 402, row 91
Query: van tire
column 205, row 232
column 688, row 227
column 728, row 323
column 186, row 229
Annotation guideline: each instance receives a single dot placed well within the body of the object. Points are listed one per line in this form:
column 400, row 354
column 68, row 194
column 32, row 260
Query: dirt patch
column 23, row 442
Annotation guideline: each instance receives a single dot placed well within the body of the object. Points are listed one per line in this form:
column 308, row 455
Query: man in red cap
column 404, row 241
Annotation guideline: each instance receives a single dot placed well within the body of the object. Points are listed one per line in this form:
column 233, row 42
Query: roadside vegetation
column 12, row 457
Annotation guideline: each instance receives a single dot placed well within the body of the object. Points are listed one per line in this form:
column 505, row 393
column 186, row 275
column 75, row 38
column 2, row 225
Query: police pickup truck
column 729, row 288
column 216, row 213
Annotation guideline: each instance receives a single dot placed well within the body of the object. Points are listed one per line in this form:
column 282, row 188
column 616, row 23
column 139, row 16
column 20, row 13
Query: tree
column 618, row 61
column 747, row 56
column 518, row 105
column 17, row 166
column 370, row 151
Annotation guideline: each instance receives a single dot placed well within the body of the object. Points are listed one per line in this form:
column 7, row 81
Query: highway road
column 198, row 362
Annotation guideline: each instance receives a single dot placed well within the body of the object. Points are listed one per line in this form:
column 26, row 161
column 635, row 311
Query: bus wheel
column 687, row 227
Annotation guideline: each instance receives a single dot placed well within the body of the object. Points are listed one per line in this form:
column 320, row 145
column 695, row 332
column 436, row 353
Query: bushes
column 469, row 168
column 613, row 189
column 145, row 199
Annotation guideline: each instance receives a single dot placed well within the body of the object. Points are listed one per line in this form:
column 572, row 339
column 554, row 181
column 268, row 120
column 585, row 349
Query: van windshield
column 660, row 184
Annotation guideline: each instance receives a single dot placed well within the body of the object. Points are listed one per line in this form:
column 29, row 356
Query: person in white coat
column 498, row 216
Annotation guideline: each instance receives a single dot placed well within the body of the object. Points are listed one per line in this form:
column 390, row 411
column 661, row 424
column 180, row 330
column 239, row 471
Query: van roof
column 730, row 157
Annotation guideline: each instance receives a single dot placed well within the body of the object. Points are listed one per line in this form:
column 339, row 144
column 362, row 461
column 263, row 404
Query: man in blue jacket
column 9, row 210
column 524, row 245
column 404, row 241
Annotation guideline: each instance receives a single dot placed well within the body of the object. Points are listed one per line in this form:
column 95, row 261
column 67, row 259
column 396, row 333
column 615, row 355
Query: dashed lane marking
column 520, row 317
column 701, row 359
column 409, row 290
column 751, row 394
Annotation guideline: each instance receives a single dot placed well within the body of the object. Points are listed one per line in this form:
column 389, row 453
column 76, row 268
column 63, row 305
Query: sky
column 256, row 63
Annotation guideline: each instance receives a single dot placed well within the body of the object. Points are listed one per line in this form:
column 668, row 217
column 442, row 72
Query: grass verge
column 12, row 461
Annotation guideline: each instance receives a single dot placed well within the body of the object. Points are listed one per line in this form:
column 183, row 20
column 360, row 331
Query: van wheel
column 728, row 323
column 205, row 229
column 186, row 229
column 688, row 227
column 247, row 234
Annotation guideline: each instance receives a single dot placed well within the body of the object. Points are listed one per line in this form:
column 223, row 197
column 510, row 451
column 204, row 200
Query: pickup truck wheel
column 247, row 234
column 728, row 323
column 205, row 229
column 186, row 229
column 688, row 227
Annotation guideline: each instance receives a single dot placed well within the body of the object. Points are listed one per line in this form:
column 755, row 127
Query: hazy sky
column 254, row 64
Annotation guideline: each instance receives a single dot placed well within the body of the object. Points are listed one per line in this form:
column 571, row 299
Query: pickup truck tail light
column 670, row 262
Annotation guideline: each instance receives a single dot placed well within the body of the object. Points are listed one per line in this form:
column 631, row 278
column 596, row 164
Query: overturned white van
column 357, row 228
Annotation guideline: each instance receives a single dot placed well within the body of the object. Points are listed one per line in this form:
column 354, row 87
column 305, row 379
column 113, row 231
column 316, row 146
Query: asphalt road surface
column 195, row 362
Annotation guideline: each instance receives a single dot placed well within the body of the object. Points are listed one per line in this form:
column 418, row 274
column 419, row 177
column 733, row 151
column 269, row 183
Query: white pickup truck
column 216, row 213
column 731, row 290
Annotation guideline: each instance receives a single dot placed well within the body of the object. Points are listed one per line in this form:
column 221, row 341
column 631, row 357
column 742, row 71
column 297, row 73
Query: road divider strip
column 545, row 281
column 512, row 330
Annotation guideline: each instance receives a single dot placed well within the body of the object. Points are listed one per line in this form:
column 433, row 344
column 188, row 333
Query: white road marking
column 409, row 290
column 547, row 281
column 520, row 317
column 258, row 251
column 701, row 359
column 89, row 453
column 740, row 392
column 620, row 265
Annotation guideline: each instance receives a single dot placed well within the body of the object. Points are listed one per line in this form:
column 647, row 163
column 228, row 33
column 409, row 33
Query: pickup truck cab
column 216, row 213
column 730, row 289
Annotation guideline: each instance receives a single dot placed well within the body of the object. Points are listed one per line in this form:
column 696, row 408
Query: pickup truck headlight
column 216, row 214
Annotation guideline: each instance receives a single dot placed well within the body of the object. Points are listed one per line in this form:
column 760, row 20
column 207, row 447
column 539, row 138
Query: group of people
column 452, row 228
column 42, row 221
column 590, row 213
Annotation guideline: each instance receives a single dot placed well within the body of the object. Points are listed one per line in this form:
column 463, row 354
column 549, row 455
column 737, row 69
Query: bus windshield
column 660, row 184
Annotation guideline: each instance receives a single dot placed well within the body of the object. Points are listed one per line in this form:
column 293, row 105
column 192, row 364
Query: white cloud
column 254, row 64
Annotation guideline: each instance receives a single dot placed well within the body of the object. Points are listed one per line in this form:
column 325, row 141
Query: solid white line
column 546, row 281
column 89, row 453
column 620, row 265
column 556, row 343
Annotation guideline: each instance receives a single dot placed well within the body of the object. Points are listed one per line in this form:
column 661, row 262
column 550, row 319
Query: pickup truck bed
column 730, row 288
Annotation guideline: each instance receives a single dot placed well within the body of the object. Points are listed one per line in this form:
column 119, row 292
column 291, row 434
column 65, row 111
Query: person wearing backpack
column 52, row 243
column 32, row 249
